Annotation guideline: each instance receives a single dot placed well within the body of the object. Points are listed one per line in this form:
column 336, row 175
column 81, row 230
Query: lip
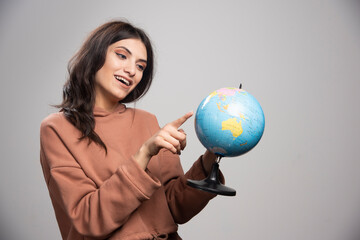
column 129, row 80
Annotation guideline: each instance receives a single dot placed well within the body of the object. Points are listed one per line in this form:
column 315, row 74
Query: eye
column 140, row 67
column 121, row 56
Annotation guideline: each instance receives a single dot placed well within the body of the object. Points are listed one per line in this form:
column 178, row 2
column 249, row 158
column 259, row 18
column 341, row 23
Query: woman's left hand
column 207, row 160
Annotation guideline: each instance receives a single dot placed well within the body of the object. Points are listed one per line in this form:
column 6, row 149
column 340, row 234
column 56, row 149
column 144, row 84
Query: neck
column 106, row 105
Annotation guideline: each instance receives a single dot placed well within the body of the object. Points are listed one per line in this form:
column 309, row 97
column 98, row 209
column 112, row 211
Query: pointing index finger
column 180, row 121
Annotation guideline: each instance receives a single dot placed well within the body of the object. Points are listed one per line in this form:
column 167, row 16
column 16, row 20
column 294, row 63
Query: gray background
column 300, row 59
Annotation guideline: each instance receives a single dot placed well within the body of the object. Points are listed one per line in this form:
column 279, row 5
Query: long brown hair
column 79, row 90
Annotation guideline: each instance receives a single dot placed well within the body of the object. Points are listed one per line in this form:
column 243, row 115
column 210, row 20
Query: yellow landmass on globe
column 221, row 107
column 232, row 125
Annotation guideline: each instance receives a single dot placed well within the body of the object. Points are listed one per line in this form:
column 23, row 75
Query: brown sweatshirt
column 97, row 195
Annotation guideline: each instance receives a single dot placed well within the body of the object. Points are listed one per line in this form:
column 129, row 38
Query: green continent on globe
column 233, row 126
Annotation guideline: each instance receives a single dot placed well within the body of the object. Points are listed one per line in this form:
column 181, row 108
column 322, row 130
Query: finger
column 180, row 121
column 182, row 131
column 175, row 137
column 176, row 143
column 177, row 134
column 183, row 141
column 183, row 144
column 166, row 136
column 169, row 147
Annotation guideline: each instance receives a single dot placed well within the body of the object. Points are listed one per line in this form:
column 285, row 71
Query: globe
column 229, row 122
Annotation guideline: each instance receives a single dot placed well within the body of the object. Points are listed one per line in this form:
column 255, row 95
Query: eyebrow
column 127, row 50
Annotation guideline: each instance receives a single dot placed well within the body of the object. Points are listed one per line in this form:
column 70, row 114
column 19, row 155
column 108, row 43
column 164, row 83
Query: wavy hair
column 79, row 89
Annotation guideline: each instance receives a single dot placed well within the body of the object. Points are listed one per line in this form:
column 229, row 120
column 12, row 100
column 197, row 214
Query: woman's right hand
column 169, row 137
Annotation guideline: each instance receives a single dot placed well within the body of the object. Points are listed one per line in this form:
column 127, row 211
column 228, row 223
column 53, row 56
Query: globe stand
column 212, row 183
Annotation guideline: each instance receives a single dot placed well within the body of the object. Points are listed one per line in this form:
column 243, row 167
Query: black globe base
column 212, row 183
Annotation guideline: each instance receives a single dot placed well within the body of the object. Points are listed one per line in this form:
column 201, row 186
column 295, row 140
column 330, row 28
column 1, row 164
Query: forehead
column 135, row 46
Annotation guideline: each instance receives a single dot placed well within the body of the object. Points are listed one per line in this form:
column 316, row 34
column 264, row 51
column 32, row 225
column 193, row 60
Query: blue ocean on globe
column 229, row 122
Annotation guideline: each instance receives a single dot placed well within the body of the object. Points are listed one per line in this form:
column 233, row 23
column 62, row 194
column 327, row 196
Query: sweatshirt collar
column 100, row 112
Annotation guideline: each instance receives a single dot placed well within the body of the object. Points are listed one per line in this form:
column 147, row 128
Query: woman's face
column 123, row 69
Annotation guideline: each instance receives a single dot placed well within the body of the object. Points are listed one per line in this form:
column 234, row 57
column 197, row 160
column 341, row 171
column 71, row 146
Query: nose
column 130, row 68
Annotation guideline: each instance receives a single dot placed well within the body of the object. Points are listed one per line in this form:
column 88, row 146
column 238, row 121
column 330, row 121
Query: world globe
column 229, row 122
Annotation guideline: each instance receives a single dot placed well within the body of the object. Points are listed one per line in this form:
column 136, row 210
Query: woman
column 111, row 171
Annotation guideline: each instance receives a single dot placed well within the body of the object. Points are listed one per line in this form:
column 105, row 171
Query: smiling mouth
column 123, row 80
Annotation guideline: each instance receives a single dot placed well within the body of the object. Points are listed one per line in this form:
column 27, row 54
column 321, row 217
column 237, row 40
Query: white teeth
column 123, row 80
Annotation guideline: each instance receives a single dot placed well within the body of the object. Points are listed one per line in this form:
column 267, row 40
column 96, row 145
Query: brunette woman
column 111, row 171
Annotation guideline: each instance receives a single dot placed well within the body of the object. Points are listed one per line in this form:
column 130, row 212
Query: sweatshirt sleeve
column 184, row 201
column 93, row 210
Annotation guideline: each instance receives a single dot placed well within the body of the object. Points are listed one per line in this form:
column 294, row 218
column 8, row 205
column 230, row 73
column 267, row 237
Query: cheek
column 139, row 77
column 101, row 75
column 110, row 65
column 98, row 77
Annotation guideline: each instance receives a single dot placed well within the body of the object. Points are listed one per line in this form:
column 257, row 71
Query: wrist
column 207, row 160
column 144, row 151
column 142, row 157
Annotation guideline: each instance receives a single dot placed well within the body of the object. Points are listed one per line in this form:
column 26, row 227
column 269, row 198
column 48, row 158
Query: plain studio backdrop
column 300, row 59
